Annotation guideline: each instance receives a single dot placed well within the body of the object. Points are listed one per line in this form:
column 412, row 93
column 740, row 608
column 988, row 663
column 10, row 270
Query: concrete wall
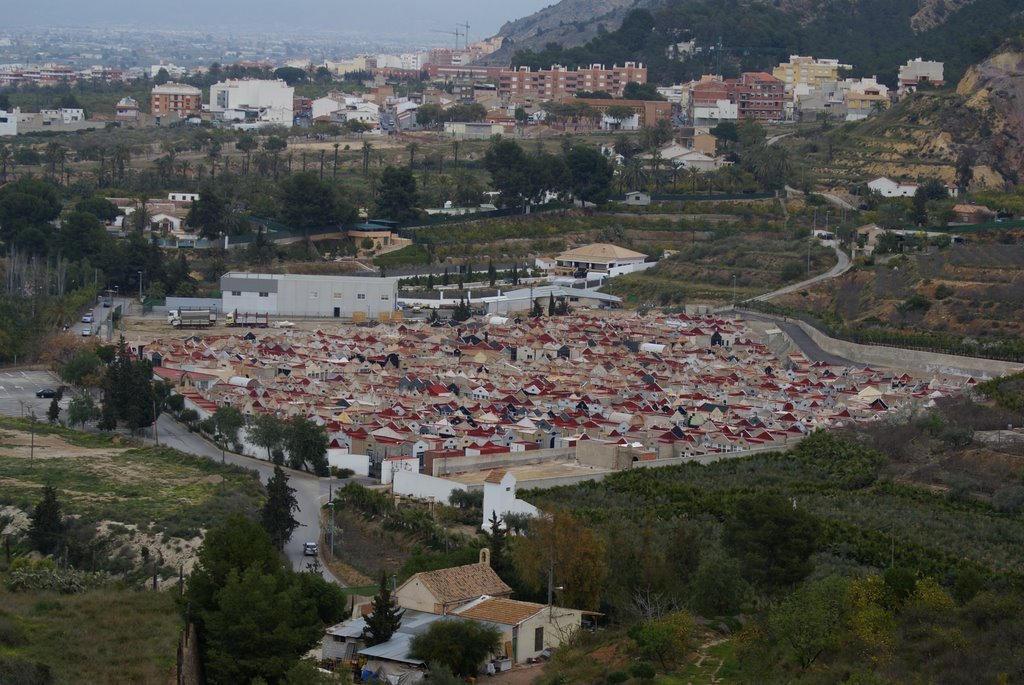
column 604, row 455
column 447, row 466
column 914, row 361
column 419, row 485
column 389, row 467
column 359, row 463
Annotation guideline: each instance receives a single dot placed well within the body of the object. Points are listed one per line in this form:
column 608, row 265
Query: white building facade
column 257, row 101
column 9, row 122
column 308, row 296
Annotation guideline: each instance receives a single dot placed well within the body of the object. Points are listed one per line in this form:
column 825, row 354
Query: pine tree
column 497, row 543
column 385, row 618
column 430, row 281
column 492, row 273
column 445, row 277
column 276, row 514
column 48, row 525
column 551, row 304
column 515, row 274
column 53, row 412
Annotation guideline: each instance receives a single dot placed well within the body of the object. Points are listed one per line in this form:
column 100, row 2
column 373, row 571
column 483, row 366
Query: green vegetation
column 157, row 489
column 876, row 38
column 98, row 636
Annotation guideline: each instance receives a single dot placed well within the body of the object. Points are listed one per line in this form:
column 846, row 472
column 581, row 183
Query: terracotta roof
column 495, row 476
column 601, row 251
column 463, row 583
column 501, row 610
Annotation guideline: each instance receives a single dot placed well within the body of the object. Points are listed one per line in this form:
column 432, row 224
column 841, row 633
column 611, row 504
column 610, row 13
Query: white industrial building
column 9, row 122
column 253, row 101
column 339, row 297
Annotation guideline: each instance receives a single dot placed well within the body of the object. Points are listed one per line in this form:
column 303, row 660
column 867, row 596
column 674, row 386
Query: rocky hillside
column 991, row 124
column 569, row 22
column 974, row 136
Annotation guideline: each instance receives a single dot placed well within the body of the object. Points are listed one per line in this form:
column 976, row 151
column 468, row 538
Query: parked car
column 46, row 392
column 310, row 549
column 87, row 317
column 86, row 331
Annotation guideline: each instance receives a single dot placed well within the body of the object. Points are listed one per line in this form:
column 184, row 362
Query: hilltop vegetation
column 876, row 36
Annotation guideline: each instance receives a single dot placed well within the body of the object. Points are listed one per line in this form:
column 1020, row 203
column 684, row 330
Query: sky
column 404, row 17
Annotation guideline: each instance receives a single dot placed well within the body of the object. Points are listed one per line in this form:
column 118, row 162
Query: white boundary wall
column 412, row 484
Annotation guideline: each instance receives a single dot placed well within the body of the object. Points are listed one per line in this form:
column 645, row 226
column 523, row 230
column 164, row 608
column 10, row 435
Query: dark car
column 46, row 392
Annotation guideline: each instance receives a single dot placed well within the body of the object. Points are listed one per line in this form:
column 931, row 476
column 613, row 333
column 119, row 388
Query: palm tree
column 413, row 148
column 121, row 161
column 366, row 157
column 183, row 168
column 634, row 176
column 6, row 157
column 55, row 154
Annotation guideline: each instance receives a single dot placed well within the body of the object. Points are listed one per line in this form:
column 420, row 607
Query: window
column 236, row 293
column 538, row 639
column 313, row 294
column 337, row 296
column 361, row 296
column 385, row 296
column 264, row 294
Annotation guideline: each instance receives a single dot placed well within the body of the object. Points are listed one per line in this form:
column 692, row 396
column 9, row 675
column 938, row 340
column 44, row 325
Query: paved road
column 843, row 264
column 310, row 492
column 802, row 340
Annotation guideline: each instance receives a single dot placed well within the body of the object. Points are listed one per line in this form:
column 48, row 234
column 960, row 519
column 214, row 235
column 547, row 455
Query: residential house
column 447, row 589
column 527, row 629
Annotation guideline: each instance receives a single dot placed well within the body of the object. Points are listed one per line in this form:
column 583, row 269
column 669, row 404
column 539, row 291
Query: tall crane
column 465, row 32
column 455, row 33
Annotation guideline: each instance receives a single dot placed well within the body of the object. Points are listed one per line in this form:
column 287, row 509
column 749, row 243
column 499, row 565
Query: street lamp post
column 734, row 290
column 331, row 529
column 140, row 286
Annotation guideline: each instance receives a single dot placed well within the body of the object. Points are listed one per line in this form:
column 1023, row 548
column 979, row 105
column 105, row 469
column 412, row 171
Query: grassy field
column 109, row 636
column 157, row 489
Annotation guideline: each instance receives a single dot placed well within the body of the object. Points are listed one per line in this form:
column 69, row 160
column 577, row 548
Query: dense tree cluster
column 255, row 617
column 519, row 177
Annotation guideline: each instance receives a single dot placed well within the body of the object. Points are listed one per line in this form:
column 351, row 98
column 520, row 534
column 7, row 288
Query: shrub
column 643, row 671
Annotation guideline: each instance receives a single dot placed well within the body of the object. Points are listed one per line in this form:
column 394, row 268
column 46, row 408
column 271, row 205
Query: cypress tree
column 48, row 525
column 276, row 514
column 385, row 618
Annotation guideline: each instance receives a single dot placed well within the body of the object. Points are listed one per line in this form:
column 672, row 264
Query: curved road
column 310, row 492
column 843, row 265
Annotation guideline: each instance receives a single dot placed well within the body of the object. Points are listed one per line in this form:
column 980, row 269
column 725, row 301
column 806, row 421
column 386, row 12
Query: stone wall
column 913, row 361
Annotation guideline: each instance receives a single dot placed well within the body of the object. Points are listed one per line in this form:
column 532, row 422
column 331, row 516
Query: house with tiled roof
column 527, row 628
column 445, row 590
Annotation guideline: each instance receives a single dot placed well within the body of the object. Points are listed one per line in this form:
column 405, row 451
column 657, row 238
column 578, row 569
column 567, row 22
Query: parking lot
column 18, row 393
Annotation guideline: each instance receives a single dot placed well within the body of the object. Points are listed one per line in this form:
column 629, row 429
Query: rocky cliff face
column 569, row 22
column 932, row 13
column 990, row 125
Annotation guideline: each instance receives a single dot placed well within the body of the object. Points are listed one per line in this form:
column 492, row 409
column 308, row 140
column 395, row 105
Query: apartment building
column 808, row 71
column 546, row 84
column 755, row 95
column 175, row 98
column 917, row 71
